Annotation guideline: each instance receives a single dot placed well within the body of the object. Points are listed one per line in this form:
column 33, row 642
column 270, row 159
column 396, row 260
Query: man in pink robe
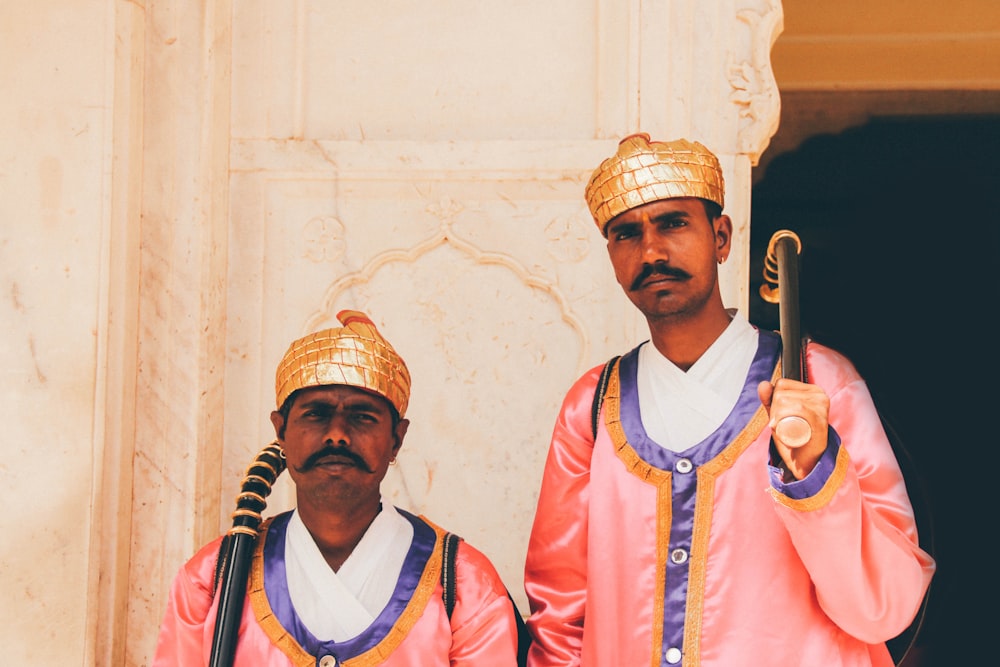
column 687, row 531
column 344, row 579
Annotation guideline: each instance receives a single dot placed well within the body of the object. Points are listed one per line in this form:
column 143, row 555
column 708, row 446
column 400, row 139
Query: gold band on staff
column 252, row 532
column 771, row 290
column 250, row 495
column 264, row 464
column 252, row 478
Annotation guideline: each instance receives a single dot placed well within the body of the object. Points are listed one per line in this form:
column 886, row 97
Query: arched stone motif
column 482, row 396
column 445, row 235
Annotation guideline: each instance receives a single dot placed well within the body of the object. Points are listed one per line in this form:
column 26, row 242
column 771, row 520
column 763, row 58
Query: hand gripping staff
column 237, row 551
column 781, row 273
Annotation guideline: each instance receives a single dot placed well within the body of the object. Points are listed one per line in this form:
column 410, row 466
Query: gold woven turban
column 355, row 355
column 642, row 172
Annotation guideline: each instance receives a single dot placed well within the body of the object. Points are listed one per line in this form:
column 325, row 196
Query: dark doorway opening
column 898, row 218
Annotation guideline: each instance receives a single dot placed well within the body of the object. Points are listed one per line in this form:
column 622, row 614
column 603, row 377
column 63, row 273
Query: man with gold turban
column 345, row 578
column 676, row 527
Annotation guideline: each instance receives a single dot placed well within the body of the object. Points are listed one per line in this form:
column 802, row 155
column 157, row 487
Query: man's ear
column 723, row 235
column 401, row 426
column 278, row 421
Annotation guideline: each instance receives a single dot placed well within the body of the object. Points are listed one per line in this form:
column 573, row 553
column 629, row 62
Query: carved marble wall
column 261, row 165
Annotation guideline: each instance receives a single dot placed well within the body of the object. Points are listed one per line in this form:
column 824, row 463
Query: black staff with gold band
column 237, row 550
column 781, row 273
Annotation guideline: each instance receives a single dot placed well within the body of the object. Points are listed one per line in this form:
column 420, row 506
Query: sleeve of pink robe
column 857, row 535
column 556, row 564
column 484, row 633
column 182, row 633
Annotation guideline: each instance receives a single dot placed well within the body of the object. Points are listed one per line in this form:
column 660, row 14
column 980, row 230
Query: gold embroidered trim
column 703, row 509
column 624, row 451
column 704, row 505
column 825, row 495
column 262, row 608
column 664, row 517
column 661, row 479
column 374, row 656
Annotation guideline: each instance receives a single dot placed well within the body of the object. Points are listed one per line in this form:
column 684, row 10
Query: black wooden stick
column 237, row 551
column 786, row 248
column 781, row 267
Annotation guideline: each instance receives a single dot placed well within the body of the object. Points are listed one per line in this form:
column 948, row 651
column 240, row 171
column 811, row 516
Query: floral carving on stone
column 323, row 239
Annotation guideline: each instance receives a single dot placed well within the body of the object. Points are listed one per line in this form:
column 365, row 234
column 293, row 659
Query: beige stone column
column 183, row 254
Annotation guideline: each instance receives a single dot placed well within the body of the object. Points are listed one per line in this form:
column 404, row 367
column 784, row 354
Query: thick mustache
column 661, row 268
column 330, row 450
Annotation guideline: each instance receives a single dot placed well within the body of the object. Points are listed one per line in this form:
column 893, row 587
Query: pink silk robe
column 642, row 557
column 413, row 630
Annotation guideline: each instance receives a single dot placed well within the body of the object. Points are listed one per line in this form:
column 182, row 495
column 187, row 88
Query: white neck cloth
column 340, row 605
column 680, row 409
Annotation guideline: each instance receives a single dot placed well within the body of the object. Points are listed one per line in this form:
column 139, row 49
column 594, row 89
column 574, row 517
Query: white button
column 684, row 465
column 678, row 556
column 328, row 661
column 673, row 655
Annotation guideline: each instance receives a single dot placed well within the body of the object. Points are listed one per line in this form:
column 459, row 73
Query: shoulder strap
column 448, row 550
column 220, row 563
column 523, row 634
column 602, row 386
column 450, row 547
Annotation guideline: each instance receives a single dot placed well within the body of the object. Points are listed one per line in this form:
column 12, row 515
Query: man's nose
column 337, row 431
column 653, row 249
